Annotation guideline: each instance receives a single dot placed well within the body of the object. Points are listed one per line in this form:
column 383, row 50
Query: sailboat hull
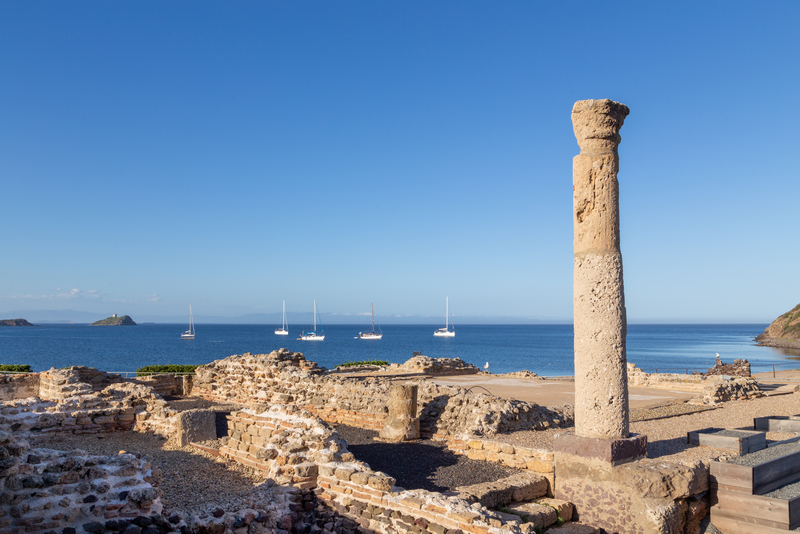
column 370, row 335
column 311, row 337
column 444, row 334
column 281, row 332
column 187, row 336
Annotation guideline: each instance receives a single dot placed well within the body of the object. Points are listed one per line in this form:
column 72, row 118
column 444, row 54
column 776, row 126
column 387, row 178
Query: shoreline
column 776, row 342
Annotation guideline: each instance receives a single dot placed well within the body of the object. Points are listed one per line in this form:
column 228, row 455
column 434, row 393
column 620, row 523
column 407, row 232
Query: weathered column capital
column 596, row 124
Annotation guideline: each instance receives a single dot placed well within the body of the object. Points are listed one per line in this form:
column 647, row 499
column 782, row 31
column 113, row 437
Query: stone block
column 519, row 487
column 564, row 509
column 614, row 451
column 540, row 515
column 195, row 426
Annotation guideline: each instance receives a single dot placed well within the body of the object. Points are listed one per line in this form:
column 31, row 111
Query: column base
column 613, row 451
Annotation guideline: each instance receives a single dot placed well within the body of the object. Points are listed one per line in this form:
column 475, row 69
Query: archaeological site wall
column 18, row 386
column 294, row 448
column 275, row 378
column 118, row 407
column 710, row 389
column 42, row 489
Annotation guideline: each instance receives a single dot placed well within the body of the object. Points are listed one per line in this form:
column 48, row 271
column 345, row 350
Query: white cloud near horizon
column 74, row 293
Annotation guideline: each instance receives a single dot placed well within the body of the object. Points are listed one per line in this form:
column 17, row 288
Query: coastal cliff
column 784, row 332
column 15, row 322
column 125, row 320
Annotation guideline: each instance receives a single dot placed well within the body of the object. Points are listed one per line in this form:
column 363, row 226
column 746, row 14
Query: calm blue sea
column 542, row 349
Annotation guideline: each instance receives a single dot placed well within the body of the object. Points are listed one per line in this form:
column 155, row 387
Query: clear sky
column 231, row 155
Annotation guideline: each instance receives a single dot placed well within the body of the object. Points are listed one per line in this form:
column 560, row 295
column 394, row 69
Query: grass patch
column 166, row 368
column 15, row 368
column 366, row 362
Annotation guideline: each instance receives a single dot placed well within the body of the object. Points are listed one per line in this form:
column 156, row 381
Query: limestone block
column 519, row 487
column 564, row 509
column 540, row 515
column 195, row 426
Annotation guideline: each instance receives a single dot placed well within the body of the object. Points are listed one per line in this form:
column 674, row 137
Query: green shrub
column 166, row 368
column 370, row 362
column 15, row 368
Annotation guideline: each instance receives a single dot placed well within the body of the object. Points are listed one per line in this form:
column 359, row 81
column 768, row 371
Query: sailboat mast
column 284, row 315
column 315, row 315
column 446, row 313
column 373, row 316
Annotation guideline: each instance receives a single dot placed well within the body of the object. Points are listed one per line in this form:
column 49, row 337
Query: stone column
column 601, row 382
column 402, row 424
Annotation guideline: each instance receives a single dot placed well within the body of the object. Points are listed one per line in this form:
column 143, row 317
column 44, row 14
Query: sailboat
column 446, row 332
column 189, row 334
column 284, row 329
column 373, row 334
column 313, row 335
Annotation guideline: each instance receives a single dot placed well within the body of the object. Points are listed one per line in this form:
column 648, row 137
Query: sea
column 543, row 349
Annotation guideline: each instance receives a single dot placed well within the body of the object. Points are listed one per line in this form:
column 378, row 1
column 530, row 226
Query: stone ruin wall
column 259, row 380
column 119, row 407
column 739, row 368
column 18, row 386
column 313, row 463
column 294, row 448
column 43, row 489
column 56, row 384
column 710, row 389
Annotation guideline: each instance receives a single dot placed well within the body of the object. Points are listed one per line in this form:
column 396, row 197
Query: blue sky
column 234, row 155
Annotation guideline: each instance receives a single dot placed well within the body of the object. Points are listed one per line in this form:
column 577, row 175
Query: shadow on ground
column 421, row 464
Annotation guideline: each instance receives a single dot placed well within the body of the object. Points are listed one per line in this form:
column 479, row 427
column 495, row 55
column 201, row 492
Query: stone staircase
column 520, row 502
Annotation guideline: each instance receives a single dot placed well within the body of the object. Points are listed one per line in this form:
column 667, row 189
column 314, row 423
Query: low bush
column 166, row 368
column 370, row 362
column 15, row 368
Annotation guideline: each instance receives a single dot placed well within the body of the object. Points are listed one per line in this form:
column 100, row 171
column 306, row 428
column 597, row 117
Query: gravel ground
column 764, row 455
column 191, row 479
column 785, row 493
column 421, row 464
column 731, row 433
column 666, row 437
column 668, row 410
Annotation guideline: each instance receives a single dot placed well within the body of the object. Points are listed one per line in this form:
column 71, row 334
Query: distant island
column 125, row 320
column 784, row 332
column 15, row 322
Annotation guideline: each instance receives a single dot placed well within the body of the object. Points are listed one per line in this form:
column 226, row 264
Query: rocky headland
column 15, row 322
column 124, row 320
column 784, row 332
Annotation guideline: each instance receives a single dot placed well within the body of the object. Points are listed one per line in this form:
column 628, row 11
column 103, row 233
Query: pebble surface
column 765, row 455
column 420, row 464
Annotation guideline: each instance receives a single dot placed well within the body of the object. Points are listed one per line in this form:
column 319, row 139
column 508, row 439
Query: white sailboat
column 284, row 329
column 446, row 332
column 373, row 334
column 189, row 334
column 313, row 335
